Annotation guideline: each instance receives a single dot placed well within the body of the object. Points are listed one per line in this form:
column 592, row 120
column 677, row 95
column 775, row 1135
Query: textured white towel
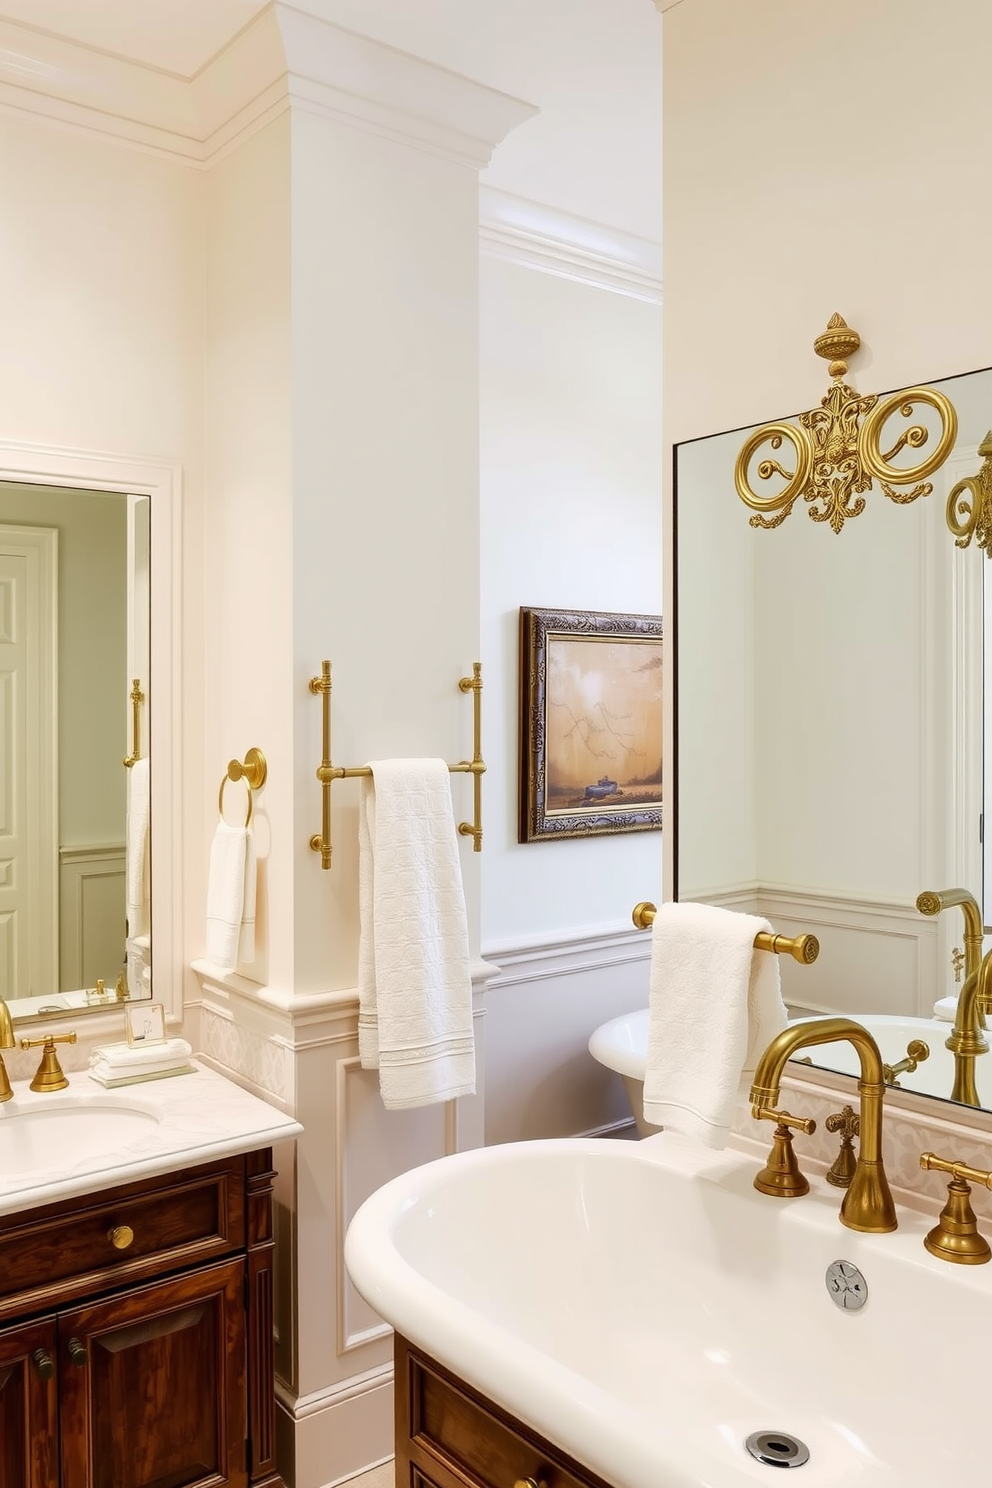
column 715, row 1004
column 117, row 1058
column 138, row 802
column 414, row 981
column 231, row 897
column 945, row 1009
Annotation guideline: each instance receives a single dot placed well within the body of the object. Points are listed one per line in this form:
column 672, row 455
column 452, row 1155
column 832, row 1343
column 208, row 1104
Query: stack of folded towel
column 122, row 1064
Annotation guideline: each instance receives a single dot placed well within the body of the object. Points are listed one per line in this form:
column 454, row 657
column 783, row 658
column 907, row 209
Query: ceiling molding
column 554, row 242
column 284, row 58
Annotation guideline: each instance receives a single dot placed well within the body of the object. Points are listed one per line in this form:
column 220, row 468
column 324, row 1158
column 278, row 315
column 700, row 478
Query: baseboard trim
column 329, row 1436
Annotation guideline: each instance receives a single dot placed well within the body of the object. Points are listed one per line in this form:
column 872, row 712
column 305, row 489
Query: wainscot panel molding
column 541, row 237
column 282, row 58
column 92, row 890
column 333, row 1353
column 549, row 996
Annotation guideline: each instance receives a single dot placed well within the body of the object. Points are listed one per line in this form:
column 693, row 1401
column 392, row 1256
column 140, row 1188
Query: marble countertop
column 87, row 1138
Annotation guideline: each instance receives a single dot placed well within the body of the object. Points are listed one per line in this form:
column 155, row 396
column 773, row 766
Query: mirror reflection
column 74, row 818
column 830, row 728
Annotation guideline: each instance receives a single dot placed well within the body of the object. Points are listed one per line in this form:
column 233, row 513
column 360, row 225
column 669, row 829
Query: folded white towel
column 414, row 981
column 945, row 1009
column 715, row 1004
column 121, row 1057
column 231, row 897
column 138, row 811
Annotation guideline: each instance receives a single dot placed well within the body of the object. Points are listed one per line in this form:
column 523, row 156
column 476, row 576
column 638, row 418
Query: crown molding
column 535, row 236
column 284, row 58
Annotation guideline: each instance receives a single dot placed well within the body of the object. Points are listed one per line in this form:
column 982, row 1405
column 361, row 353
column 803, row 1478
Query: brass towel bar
column 137, row 698
column 252, row 770
column 803, row 948
column 328, row 772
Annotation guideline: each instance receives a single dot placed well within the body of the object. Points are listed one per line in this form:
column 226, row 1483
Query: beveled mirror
column 829, row 733
column 75, row 891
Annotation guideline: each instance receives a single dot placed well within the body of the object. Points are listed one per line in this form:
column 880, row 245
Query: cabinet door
column 153, row 1385
column 28, row 1406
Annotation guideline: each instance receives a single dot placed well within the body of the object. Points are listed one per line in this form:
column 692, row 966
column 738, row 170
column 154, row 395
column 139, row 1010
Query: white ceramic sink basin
column 39, row 1137
column 644, row 1307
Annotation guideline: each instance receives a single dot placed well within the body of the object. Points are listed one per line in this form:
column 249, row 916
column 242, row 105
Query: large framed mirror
column 89, row 694
column 830, row 736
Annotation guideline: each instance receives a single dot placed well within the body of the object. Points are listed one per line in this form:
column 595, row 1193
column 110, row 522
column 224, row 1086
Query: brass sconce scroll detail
column 973, row 519
column 837, row 448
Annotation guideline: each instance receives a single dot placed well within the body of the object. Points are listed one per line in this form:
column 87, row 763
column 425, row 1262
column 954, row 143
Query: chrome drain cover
column 846, row 1285
column 777, row 1449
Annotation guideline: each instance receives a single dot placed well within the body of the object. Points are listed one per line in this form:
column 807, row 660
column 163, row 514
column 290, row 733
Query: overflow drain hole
column 777, row 1449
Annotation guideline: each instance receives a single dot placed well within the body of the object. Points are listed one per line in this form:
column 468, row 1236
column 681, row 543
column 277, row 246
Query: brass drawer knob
column 120, row 1236
column 42, row 1361
column 77, row 1352
column 530, row 1483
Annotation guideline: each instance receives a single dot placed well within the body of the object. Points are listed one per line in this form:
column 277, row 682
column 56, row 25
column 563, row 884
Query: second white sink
column 36, row 1138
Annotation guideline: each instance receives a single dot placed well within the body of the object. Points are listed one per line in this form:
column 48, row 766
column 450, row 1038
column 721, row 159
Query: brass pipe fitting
column 955, row 1237
column 867, row 1204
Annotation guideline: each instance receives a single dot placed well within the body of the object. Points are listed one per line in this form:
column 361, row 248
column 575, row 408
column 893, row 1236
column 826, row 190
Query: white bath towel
column 414, row 981
column 945, row 1009
column 715, row 1004
column 138, row 812
column 231, row 897
column 122, row 1064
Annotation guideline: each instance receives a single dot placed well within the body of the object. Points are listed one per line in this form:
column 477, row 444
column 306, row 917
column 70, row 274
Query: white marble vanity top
column 86, row 1138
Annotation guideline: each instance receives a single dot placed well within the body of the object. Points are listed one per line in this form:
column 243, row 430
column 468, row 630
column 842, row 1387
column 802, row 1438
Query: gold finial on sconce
column 837, row 447
column 973, row 519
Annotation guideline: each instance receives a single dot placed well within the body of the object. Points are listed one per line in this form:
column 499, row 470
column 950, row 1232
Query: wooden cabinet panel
column 153, row 1390
column 451, row 1435
column 63, row 1252
column 28, row 1406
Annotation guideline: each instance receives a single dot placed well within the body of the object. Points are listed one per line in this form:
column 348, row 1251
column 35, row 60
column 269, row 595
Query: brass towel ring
column 252, row 770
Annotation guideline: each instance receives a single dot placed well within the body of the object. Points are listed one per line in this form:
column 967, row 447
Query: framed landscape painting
column 590, row 723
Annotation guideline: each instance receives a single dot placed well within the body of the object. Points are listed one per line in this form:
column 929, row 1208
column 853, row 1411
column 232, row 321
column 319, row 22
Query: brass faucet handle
column 781, row 1176
column 848, row 1123
column 955, row 1236
column 916, row 1052
column 50, row 1075
column 805, row 1124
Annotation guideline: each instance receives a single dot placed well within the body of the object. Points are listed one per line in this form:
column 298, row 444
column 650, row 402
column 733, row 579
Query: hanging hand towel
column 137, row 848
column 414, row 982
column 715, row 1004
column 231, row 897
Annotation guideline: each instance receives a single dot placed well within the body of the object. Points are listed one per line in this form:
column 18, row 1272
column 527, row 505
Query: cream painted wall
column 571, row 517
column 102, row 303
column 787, row 199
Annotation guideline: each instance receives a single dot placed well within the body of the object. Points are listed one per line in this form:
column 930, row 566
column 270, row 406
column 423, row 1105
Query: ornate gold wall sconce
column 838, row 446
column 973, row 519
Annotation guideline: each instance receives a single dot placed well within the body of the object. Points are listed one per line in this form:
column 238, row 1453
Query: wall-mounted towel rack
column 137, row 698
column 802, row 948
column 328, row 772
column 253, row 770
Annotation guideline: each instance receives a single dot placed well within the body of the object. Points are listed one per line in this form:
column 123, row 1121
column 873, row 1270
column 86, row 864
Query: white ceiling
column 593, row 68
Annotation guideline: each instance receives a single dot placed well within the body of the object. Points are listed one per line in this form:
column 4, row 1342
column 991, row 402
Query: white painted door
column 28, row 761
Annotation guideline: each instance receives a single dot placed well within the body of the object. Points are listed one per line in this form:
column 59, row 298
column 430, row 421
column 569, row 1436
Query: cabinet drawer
column 53, row 1255
column 450, row 1427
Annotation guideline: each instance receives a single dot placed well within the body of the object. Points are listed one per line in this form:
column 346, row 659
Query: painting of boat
column 603, row 787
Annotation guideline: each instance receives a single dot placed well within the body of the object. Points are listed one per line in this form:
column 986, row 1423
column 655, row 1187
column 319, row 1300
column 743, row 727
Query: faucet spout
column 867, row 1203
column 931, row 902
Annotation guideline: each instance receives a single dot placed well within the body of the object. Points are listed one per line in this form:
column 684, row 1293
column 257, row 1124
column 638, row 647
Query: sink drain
column 777, row 1449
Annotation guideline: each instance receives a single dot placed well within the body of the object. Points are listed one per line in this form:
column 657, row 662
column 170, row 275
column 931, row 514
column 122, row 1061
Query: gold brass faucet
column 7, row 1041
column 968, row 1039
column 867, row 1203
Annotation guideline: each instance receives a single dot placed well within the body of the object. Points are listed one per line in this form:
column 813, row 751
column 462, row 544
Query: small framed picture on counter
column 144, row 1023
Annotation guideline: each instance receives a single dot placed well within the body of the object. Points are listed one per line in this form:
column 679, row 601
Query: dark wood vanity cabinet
column 136, row 1335
column 449, row 1436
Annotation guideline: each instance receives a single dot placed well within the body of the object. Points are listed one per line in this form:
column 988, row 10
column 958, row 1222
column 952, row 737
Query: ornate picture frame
column 590, row 756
